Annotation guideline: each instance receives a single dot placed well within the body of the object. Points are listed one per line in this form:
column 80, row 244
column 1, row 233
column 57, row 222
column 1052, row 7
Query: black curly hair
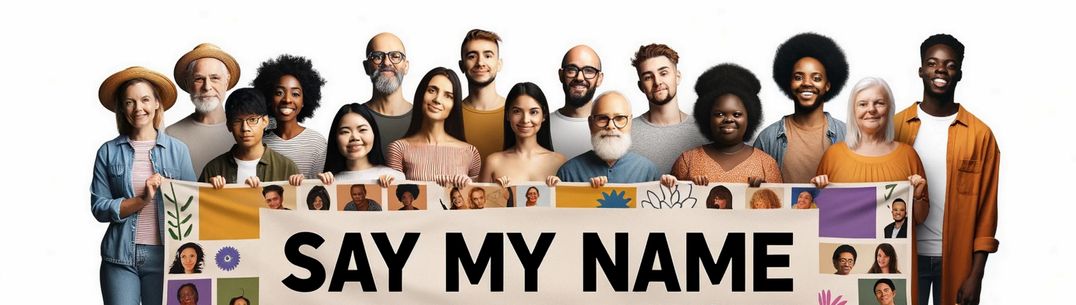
column 406, row 188
column 244, row 101
column 299, row 67
column 177, row 265
column 727, row 78
column 816, row 46
column 944, row 39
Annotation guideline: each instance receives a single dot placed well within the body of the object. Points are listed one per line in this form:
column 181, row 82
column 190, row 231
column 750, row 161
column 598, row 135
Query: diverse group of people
column 254, row 134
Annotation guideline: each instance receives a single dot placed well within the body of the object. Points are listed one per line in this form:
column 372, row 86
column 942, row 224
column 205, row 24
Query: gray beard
column 205, row 105
column 386, row 85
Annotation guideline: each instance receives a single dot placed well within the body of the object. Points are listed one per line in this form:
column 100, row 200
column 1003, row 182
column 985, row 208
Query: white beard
column 386, row 85
column 205, row 105
column 611, row 148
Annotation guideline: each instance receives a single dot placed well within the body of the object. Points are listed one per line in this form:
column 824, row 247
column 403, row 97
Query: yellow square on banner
column 602, row 197
column 230, row 213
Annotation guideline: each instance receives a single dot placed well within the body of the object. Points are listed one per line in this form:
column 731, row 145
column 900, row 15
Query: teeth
column 286, row 111
column 807, row 94
column 940, row 82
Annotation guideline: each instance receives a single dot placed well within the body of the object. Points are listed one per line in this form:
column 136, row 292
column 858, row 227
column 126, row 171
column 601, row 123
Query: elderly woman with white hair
column 869, row 153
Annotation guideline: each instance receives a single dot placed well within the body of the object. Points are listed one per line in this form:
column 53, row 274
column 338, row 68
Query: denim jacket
column 112, row 184
column 774, row 141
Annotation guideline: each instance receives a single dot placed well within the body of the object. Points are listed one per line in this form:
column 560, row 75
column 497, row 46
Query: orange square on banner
column 230, row 213
column 588, row 197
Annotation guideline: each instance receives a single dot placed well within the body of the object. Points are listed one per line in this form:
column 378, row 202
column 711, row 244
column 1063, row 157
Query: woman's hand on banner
column 296, row 179
column 668, row 181
column 552, row 181
column 755, row 181
column 327, row 178
column 820, row 181
column 504, row 181
column 217, row 182
column 701, row 180
column 385, row 180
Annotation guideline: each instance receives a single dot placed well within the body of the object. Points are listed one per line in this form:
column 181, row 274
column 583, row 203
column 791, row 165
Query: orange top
column 844, row 165
column 695, row 162
column 971, row 193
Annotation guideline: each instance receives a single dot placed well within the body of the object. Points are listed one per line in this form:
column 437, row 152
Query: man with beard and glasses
column 386, row 63
column 207, row 73
column 483, row 108
column 664, row 131
column 959, row 232
column 580, row 75
column 810, row 69
column 609, row 161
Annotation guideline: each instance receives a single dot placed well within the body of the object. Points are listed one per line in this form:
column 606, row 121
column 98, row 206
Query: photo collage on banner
column 214, row 253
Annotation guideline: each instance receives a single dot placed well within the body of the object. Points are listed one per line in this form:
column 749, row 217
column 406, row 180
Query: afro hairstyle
column 245, row 101
column 406, row 188
column 299, row 67
column 816, row 46
column 944, row 39
column 727, row 78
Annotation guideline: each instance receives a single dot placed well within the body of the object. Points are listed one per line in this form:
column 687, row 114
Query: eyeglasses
column 377, row 57
column 846, row 261
column 251, row 122
column 589, row 72
column 619, row 121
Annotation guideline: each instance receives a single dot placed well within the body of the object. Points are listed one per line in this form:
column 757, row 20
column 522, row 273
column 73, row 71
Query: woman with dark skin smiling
column 728, row 113
column 292, row 90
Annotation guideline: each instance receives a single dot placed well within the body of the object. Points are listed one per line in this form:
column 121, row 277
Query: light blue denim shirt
column 774, row 141
column 112, row 184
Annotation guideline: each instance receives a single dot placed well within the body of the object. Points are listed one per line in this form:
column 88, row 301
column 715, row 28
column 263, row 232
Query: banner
column 419, row 243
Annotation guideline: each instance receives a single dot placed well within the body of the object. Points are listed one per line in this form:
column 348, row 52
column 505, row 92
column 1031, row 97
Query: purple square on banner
column 202, row 286
column 847, row 212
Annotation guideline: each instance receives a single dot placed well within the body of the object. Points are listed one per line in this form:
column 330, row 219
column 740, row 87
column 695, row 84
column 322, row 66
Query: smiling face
column 287, row 98
column 883, row 260
column 354, row 136
column 481, row 62
column 189, row 258
column 437, row 101
column 140, row 105
column 883, row 293
column 900, row 210
column 318, row 204
column 940, row 70
column 803, row 201
column 809, row 82
column 187, row 295
column 728, row 120
column 579, row 90
column 532, row 196
column 457, row 199
column 658, row 79
column 386, row 75
column 871, row 110
column 273, row 200
column 525, row 116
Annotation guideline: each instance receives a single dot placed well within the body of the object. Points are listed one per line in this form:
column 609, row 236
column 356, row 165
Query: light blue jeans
column 142, row 282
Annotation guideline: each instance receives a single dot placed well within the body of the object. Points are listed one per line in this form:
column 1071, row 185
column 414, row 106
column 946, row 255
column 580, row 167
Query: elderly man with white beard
column 207, row 73
column 610, row 160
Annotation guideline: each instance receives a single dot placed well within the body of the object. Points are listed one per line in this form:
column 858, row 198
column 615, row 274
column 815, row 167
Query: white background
column 56, row 54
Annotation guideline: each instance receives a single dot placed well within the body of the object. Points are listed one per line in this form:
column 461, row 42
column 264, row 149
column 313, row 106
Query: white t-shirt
column 932, row 143
column 369, row 174
column 245, row 169
column 571, row 136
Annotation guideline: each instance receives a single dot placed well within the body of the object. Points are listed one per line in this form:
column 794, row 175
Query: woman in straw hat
column 126, row 175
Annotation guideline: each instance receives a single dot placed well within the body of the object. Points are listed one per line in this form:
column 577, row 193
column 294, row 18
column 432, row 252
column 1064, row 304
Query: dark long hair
column 891, row 253
column 454, row 122
column 535, row 92
column 334, row 161
column 177, row 266
column 318, row 191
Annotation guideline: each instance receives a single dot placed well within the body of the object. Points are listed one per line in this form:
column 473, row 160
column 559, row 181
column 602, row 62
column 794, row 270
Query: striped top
column 307, row 150
column 141, row 169
column 424, row 161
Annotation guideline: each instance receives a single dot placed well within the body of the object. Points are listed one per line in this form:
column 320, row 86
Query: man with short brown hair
column 664, row 131
column 483, row 108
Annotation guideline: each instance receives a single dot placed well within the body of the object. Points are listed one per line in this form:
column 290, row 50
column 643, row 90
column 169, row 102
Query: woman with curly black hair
column 728, row 112
column 189, row 259
column 292, row 90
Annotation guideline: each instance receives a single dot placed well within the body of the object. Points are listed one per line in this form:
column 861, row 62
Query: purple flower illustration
column 227, row 258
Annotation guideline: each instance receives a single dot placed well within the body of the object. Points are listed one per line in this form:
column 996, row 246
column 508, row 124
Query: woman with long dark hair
column 528, row 151
column 354, row 149
column 434, row 147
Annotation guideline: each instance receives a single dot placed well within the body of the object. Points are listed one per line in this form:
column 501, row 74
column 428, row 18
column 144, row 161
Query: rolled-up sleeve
column 986, row 224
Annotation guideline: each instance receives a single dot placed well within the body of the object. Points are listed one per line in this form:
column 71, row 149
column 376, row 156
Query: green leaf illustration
column 185, row 205
column 185, row 219
column 171, row 224
column 168, row 197
column 188, row 233
column 173, row 234
column 171, row 215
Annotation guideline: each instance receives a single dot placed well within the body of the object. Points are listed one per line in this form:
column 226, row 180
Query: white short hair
column 852, row 137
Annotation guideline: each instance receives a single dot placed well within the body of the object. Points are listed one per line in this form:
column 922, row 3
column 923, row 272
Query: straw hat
column 107, row 92
column 202, row 51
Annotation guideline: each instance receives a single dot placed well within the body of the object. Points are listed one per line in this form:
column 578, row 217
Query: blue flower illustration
column 227, row 258
column 613, row 200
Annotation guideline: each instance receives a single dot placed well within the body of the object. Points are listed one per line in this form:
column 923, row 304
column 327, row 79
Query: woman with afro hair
column 292, row 90
column 728, row 112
